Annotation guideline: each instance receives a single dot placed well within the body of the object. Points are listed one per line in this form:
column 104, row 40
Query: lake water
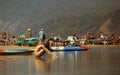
column 103, row 60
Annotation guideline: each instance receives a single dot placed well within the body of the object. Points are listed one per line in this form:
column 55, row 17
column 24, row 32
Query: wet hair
column 46, row 44
column 13, row 36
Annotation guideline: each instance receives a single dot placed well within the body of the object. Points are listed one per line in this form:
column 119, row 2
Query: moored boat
column 13, row 52
column 68, row 48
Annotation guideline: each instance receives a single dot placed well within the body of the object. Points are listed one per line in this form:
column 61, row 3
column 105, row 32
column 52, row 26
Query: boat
column 28, row 41
column 68, row 48
column 32, row 42
column 14, row 52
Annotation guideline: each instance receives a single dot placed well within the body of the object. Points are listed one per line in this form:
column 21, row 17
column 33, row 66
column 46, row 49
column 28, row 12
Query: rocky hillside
column 64, row 17
column 80, row 24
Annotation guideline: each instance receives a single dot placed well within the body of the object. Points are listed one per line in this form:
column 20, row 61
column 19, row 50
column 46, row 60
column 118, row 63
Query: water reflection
column 3, row 67
column 42, row 65
column 71, row 62
column 14, row 65
column 95, row 61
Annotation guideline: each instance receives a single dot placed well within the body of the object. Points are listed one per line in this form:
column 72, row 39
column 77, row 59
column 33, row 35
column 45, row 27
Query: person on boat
column 51, row 40
column 29, row 33
column 14, row 40
column 43, row 48
column 101, row 36
column 3, row 38
column 41, row 36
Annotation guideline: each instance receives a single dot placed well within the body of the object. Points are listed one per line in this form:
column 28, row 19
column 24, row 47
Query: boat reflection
column 15, row 65
column 95, row 61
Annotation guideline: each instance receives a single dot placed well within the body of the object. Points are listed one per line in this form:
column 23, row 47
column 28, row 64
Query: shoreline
column 15, row 47
column 32, row 47
column 100, row 46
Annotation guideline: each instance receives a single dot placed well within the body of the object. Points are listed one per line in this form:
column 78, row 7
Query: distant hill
column 80, row 24
column 63, row 17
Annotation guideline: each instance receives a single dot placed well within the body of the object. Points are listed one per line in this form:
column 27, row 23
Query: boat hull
column 68, row 48
column 13, row 52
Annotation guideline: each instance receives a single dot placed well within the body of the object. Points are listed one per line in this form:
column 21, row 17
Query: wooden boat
column 13, row 52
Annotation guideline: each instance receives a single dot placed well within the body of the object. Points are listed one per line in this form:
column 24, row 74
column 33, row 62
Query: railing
column 59, row 43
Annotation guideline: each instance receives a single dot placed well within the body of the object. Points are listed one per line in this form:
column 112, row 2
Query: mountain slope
column 57, row 16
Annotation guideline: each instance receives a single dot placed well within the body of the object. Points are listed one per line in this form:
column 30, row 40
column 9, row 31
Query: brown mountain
column 64, row 17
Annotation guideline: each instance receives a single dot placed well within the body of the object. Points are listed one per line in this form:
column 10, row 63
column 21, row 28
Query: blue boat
column 68, row 48
column 13, row 52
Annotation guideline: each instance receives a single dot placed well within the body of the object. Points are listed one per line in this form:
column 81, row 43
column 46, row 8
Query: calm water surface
column 96, row 61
